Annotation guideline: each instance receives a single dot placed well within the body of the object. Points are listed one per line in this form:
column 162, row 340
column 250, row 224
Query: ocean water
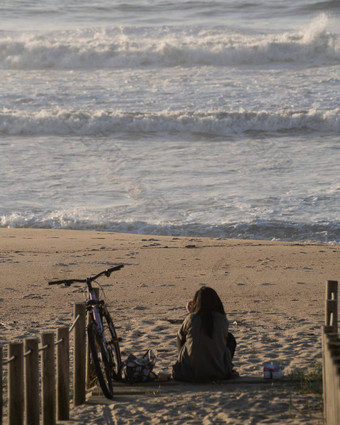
column 203, row 118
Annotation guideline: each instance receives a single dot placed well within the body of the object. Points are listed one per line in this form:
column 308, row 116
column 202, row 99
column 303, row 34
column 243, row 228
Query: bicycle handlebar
column 68, row 282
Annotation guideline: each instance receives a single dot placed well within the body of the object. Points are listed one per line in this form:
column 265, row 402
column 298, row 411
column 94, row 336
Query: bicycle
column 102, row 336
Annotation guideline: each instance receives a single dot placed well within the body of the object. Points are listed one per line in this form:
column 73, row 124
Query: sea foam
column 256, row 229
column 105, row 122
column 131, row 47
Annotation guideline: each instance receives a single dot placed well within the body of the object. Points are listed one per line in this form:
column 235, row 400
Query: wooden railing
column 38, row 375
column 331, row 356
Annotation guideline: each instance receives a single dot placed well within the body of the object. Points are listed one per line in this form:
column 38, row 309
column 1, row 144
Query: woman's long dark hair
column 205, row 302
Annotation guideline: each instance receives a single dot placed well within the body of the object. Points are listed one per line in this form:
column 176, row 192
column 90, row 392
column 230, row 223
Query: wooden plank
column 16, row 383
column 1, row 395
column 32, row 381
column 147, row 388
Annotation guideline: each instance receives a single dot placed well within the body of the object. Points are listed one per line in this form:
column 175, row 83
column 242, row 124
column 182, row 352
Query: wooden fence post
column 63, row 374
column 1, row 397
column 332, row 290
column 48, row 379
column 331, row 307
column 337, row 396
column 334, row 353
column 326, row 336
column 16, row 383
column 333, row 348
column 336, row 364
column 32, row 381
column 79, row 363
column 324, row 386
column 331, row 356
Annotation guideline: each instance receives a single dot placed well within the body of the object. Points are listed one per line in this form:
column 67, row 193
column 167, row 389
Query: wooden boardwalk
column 165, row 387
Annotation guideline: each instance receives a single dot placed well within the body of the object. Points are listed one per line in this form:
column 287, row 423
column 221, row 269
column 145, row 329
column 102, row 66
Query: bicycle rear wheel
column 101, row 359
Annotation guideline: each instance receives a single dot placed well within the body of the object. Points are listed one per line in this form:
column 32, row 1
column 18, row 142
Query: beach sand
column 273, row 293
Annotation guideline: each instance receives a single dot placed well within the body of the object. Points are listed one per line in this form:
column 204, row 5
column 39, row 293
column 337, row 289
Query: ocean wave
column 259, row 230
column 105, row 123
column 133, row 47
column 319, row 6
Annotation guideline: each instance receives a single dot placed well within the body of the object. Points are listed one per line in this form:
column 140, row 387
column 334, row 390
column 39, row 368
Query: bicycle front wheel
column 112, row 342
column 101, row 359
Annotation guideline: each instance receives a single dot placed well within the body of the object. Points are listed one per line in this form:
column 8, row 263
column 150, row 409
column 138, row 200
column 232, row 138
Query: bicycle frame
column 95, row 312
column 102, row 337
column 93, row 301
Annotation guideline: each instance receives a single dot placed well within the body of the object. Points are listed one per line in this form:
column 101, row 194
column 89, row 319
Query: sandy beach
column 273, row 293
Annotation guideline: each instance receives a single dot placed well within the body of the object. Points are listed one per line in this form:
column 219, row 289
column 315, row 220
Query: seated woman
column 204, row 344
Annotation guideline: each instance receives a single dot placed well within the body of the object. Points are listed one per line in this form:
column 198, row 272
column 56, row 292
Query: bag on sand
column 139, row 369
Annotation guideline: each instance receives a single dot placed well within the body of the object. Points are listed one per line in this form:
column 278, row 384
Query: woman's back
column 203, row 357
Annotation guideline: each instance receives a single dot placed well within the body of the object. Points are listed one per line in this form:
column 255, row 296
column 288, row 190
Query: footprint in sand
column 33, row 296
